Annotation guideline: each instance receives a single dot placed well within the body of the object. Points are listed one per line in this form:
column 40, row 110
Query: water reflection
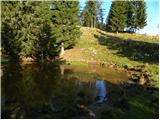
column 88, row 73
column 101, row 91
column 48, row 90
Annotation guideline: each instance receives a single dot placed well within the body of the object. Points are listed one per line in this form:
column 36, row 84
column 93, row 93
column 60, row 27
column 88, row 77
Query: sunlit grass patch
column 76, row 63
column 121, row 49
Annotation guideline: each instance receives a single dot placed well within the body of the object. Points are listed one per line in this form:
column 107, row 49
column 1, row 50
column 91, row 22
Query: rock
column 130, row 72
column 85, row 109
column 125, row 66
column 92, row 114
column 135, row 80
column 111, row 66
column 136, row 69
column 142, row 81
column 130, row 82
column 27, row 60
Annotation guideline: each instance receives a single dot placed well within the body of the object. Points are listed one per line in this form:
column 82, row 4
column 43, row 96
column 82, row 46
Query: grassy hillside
column 109, row 47
column 121, row 49
column 131, row 51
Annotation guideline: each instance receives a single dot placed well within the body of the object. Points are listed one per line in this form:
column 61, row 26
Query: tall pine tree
column 141, row 14
column 90, row 13
column 11, row 26
column 86, row 18
column 65, row 21
column 100, row 17
column 129, row 15
column 136, row 18
column 117, row 16
column 36, row 30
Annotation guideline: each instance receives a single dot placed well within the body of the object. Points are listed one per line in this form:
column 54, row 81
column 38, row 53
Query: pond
column 54, row 91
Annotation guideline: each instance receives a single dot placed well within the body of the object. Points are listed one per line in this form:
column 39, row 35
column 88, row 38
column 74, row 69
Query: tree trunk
column 62, row 49
column 94, row 23
column 117, row 30
column 91, row 23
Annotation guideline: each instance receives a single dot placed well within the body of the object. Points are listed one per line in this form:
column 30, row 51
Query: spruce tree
column 126, row 14
column 90, row 13
column 44, row 47
column 136, row 18
column 132, row 21
column 117, row 16
column 65, row 23
column 141, row 14
column 36, row 30
column 86, row 18
column 28, row 29
column 11, row 25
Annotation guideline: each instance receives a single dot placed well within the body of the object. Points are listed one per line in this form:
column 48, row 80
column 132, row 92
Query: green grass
column 122, row 49
column 131, row 50
column 76, row 63
column 137, row 102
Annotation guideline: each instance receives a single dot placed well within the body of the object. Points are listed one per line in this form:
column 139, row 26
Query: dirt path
column 78, row 55
column 73, row 55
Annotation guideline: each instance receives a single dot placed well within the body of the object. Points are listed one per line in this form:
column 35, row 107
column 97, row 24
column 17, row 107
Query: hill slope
column 123, row 49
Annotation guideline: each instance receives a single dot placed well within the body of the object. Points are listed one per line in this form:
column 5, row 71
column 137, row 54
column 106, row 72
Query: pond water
column 53, row 91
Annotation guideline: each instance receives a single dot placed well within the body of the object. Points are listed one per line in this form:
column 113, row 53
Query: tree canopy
column 33, row 29
column 90, row 12
column 117, row 16
column 126, row 15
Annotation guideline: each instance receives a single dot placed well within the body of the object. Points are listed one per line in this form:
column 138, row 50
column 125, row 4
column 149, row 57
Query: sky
column 152, row 15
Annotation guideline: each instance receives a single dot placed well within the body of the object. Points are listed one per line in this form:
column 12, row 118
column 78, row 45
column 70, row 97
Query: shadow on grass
column 136, row 101
column 134, row 50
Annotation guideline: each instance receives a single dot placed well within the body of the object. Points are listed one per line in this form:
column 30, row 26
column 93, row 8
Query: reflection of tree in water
column 37, row 90
column 40, row 91
column 26, row 86
column 10, row 88
column 80, row 76
column 85, row 83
